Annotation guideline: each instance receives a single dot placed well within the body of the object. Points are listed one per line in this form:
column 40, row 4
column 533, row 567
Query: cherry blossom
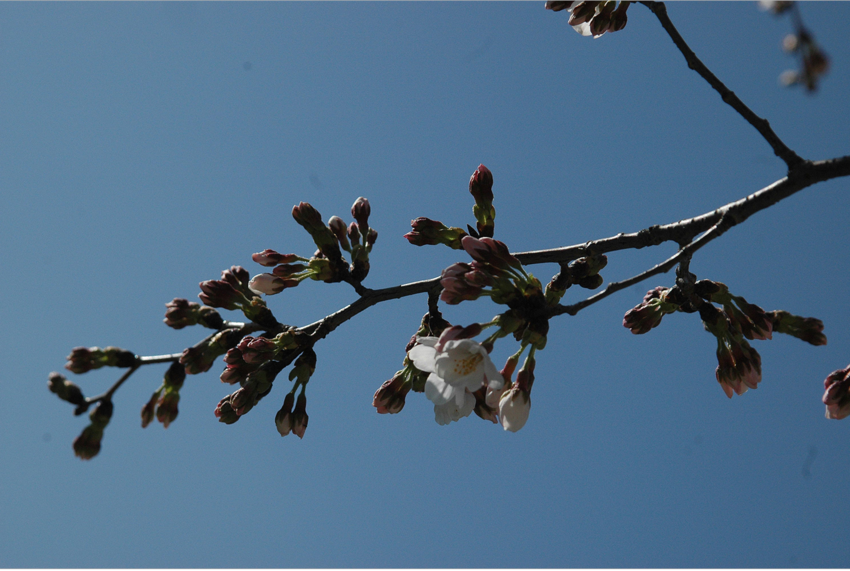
column 457, row 367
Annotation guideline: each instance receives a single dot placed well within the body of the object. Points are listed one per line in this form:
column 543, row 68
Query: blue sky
column 148, row 146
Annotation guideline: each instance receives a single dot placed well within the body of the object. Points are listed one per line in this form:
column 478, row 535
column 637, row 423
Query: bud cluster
column 808, row 329
column 233, row 291
column 583, row 271
column 256, row 385
column 327, row 264
column 656, row 304
column 181, row 313
column 593, row 18
column 251, row 353
column 739, row 365
column 199, row 358
column 84, row 359
column 294, row 420
column 427, row 232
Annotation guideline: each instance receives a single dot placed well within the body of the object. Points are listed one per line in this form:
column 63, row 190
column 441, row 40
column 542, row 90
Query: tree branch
column 761, row 125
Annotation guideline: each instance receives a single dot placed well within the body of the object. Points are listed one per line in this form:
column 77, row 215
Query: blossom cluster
column 593, row 18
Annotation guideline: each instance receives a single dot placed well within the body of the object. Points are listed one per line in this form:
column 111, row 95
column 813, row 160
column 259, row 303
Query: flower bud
column 427, row 232
column 219, row 293
column 270, row 258
column 283, row 418
column 837, row 395
column 389, row 398
column 808, row 329
column 361, row 210
column 340, row 230
column 371, row 238
column 514, row 407
column 224, row 412
column 353, row 233
column 166, row 410
column 481, row 189
column 648, row 314
column 299, row 416
column 87, row 444
column 174, row 376
column 481, row 185
column 304, row 367
column 270, row 284
column 149, row 409
column 483, row 409
column 65, row 389
column 591, row 282
column 181, row 312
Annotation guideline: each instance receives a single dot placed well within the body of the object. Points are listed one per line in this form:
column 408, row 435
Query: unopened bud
column 65, row 389
column 87, row 444
column 181, row 312
column 166, row 410
column 283, row 418
column 149, row 409
column 270, row 258
column 224, row 412
column 299, row 416
column 340, row 230
column 361, row 210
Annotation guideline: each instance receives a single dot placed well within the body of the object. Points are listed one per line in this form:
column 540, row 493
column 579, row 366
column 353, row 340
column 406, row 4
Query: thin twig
column 682, row 255
column 761, row 125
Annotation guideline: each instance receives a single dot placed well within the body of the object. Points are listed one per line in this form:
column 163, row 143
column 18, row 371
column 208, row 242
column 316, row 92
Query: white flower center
column 463, row 367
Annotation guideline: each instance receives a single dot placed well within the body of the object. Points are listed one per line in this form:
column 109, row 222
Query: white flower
column 514, row 407
column 457, row 368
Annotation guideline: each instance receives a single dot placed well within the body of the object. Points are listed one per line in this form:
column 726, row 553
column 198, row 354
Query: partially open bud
column 514, row 408
column 837, row 395
column 390, row 397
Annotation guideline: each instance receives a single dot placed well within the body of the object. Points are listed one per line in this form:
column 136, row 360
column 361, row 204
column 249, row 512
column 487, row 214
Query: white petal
column 451, row 411
column 467, row 407
column 494, row 378
column 514, row 409
column 437, row 390
column 423, row 357
column 583, row 29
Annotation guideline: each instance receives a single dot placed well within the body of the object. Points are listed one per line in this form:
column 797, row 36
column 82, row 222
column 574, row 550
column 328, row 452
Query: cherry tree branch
column 683, row 232
column 761, row 125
